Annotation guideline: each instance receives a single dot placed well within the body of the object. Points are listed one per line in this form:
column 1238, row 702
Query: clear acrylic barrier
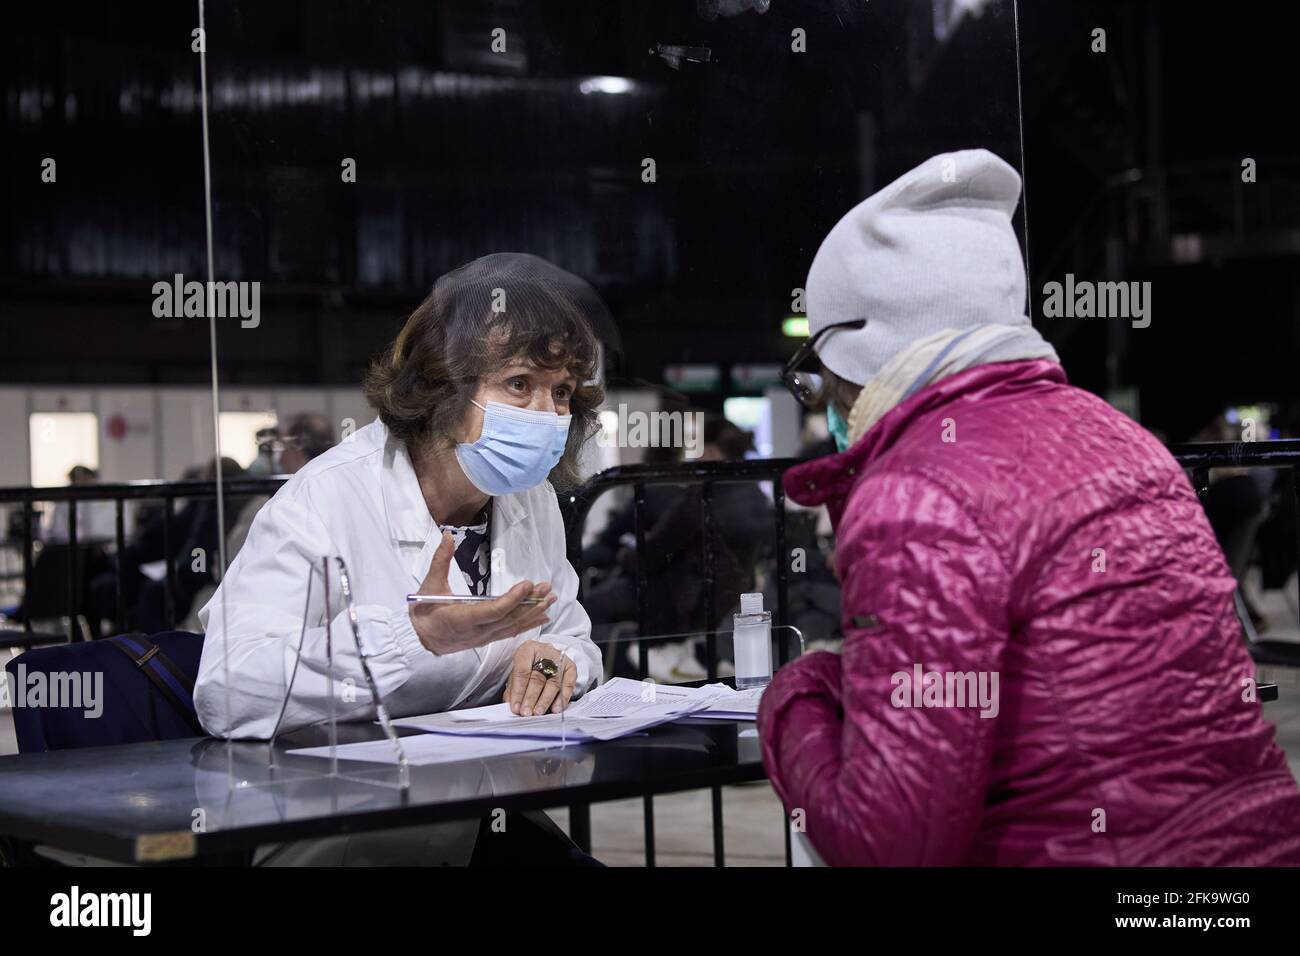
column 323, row 680
column 334, row 686
column 328, row 188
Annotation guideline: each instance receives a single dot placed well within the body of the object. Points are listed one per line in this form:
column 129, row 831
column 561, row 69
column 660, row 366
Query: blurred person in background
column 677, row 599
column 813, row 593
column 1277, row 533
column 144, row 561
column 268, row 440
column 194, row 562
column 1042, row 663
column 96, row 520
column 1236, row 505
column 610, row 597
column 306, row 436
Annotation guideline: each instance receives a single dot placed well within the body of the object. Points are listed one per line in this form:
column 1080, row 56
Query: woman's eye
column 563, row 394
column 517, row 384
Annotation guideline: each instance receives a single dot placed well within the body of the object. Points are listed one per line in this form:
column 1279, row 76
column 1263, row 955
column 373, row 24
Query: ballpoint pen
column 461, row 599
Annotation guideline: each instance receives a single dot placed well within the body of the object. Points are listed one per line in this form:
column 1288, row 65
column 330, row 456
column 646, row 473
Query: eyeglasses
column 800, row 375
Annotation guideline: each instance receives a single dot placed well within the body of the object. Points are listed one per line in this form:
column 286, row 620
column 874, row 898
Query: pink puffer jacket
column 1003, row 523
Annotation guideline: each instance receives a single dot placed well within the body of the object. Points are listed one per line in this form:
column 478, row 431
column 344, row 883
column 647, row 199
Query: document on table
column 425, row 749
column 615, row 709
column 731, row 704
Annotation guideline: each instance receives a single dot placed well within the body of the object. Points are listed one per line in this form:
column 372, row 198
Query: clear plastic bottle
column 752, row 641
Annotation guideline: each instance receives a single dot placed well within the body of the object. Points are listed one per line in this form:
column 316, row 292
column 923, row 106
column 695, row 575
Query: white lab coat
column 361, row 501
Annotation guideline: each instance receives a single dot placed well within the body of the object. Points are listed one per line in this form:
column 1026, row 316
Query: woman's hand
column 446, row 629
column 528, row 691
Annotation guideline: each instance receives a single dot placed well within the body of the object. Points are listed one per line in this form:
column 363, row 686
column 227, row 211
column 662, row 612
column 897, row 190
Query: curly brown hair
column 478, row 318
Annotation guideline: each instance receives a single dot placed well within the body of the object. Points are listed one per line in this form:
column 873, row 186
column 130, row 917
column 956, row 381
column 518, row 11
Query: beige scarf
column 937, row 356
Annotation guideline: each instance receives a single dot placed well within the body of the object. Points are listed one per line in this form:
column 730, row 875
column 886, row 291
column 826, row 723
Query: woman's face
column 842, row 393
column 523, row 385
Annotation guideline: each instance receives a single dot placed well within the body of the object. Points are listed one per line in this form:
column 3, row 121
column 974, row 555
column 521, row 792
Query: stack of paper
column 731, row 704
column 426, row 749
column 615, row 709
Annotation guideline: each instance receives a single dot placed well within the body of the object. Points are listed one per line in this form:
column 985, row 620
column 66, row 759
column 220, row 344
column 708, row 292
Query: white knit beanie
column 933, row 250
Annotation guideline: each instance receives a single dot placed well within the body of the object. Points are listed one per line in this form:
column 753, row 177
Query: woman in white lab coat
column 486, row 391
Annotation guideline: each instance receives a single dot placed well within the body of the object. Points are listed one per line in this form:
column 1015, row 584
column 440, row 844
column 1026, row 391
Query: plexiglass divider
column 345, row 686
column 205, row 100
column 363, row 245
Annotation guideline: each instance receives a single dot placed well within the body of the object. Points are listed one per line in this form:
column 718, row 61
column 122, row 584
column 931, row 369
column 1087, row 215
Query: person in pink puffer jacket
column 1042, row 663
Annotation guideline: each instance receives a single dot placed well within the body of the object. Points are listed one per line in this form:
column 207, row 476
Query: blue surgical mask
column 838, row 427
column 516, row 450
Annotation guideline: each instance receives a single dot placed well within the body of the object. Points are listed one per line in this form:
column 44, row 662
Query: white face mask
column 516, row 450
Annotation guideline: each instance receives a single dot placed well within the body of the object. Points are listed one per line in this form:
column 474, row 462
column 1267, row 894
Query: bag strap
column 172, row 682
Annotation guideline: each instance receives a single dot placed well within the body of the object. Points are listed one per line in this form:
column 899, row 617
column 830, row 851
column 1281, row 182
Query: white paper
column 425, row 749
column 734, row 704
column 615, row 709
column 494, row 713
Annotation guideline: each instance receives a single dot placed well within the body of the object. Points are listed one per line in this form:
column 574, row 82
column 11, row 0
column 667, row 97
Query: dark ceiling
column 462, row 151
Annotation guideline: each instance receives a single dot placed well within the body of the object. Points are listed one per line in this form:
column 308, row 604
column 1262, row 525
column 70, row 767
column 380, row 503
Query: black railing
column 1201, row 458
column 1198, row 459
column 166, row 492
column 706, row 475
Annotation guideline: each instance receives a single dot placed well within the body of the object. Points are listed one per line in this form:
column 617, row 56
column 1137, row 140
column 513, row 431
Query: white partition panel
column 186, row 429
column 15, row 461
column 128, row 434
column 349, row 410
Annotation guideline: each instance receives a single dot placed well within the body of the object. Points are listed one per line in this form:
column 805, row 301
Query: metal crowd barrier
column 167, row 492
column 1198, row 459
column 1201, row 458
column 706, row 475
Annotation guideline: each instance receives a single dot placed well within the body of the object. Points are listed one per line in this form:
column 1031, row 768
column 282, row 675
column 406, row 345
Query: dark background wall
column 759, row 151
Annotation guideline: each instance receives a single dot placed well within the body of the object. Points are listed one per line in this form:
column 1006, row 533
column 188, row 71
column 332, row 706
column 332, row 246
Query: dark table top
column 180, row 799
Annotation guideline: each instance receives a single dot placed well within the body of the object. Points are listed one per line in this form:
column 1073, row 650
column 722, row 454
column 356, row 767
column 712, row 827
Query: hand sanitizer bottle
column 752, row 641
